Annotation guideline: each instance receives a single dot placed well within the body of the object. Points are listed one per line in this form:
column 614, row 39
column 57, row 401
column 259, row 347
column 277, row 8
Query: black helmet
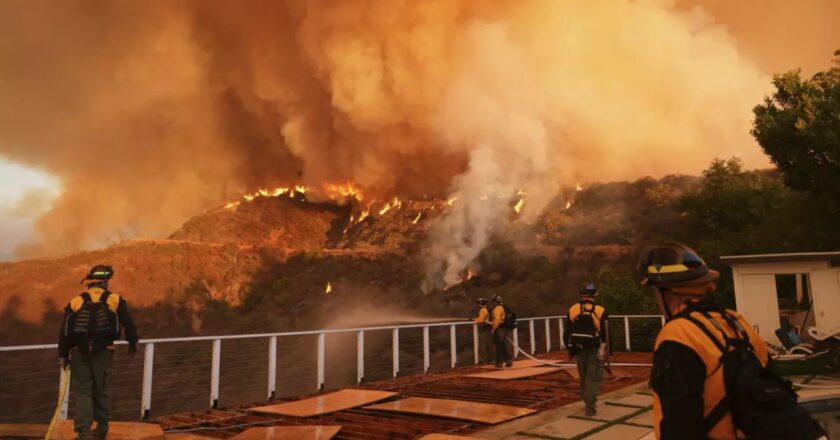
column 673, row 265
column 588, row 288
column 482, row 301
column 100, row 272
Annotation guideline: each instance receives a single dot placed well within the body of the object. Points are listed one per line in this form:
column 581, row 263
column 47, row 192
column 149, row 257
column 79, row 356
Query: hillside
column 265, row 264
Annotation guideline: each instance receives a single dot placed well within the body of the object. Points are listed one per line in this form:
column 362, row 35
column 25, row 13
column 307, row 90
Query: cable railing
column 195, row 373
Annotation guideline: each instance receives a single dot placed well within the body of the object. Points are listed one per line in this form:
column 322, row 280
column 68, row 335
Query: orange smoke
column 150, row 112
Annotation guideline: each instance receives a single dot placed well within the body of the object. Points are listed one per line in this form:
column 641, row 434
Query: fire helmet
column 482, row 301
column 100, row 272
column 589, row 289
column 674, row 265
column 498, row 299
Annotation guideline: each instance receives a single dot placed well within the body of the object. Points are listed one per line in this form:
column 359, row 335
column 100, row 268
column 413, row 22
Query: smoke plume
column 150, row 112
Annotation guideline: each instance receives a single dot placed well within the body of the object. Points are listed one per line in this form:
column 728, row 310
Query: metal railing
column 176, row 364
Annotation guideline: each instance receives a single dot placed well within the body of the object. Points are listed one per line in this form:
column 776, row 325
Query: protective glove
column 132, row 350
column 63, row 363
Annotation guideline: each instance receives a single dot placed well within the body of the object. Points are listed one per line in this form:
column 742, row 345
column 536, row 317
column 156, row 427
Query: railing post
column 148, row 365
column 395, row 352
column 627, row 333
column 214, row 373
column 272, row 367
column 62, row 414
column 453, row 348
column 321, row 343
column 475, row 343
column 360, row 357
column 662, row 320
column 426, row 363
column 562, row 342
column 547, row 336
column 531, row 334
column 515, row 343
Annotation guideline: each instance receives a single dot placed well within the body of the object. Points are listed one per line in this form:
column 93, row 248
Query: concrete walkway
column 625, row 414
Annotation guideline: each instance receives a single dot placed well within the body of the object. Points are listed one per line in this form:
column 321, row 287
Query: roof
column 538, row 393
column 781, row 258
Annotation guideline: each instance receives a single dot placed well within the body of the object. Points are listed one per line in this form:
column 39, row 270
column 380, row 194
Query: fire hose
column 61, row 396
column 616, row 364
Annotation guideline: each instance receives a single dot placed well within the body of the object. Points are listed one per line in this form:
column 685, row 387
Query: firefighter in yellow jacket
column 690, row 399
column 92, row 322
column 485, row 332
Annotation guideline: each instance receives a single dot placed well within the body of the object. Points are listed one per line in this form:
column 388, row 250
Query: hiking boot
column 86, row 436
column 499, row 365
column 101, row 435
column 591, row 412
column 509, row 364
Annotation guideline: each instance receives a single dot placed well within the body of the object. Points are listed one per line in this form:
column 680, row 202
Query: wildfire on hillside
column 328, row 289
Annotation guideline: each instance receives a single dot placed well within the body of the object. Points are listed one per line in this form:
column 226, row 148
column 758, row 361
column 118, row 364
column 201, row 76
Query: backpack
column 510, row 318
column 763, row 403
column 583, row 332
column 93, row 323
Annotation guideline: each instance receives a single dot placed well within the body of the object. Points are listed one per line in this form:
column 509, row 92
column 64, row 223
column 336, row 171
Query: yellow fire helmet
column 674, row 265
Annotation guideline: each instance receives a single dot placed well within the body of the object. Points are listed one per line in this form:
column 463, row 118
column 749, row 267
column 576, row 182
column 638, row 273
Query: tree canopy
column 799, row 128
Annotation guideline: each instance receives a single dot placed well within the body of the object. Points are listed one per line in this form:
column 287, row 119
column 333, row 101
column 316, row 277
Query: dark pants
column 591, row 371
column 485, row 344
column 90, row 376
column 500, row 341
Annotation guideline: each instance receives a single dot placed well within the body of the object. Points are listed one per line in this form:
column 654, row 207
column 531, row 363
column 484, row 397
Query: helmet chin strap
column 665, row 306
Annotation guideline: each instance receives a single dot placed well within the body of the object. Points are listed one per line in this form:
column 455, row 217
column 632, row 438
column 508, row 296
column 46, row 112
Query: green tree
column 799, row 128
column 622, row 294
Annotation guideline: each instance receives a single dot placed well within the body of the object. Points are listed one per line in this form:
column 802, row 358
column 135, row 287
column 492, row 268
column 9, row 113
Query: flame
column 519, row 205
column 452, row 200
column 279, row 191
column 470, row 275
column 249, row 197
column 578, row 188
column 363, row 216
column 300, row 188
column 328, row 289
column 396, row 203
column 231, row 205
column 343, row 190
column 417, row 219
column 568, row 204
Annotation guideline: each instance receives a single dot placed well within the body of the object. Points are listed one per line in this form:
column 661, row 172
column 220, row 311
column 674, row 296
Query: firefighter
column 700, row 341
column 485, row 332
column 92, row 322
column 587, row 342
column 500, row 331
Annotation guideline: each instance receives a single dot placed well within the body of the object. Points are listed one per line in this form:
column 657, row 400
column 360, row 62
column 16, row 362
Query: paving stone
column 639, row 400
column 325, row 403
column 489, row 413
column 620, row 432
column 643, row 419
column 608, row 412
column 566, row 427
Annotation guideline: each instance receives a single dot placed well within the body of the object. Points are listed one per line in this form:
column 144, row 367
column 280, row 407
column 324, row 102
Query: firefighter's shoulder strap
column 719, row 411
